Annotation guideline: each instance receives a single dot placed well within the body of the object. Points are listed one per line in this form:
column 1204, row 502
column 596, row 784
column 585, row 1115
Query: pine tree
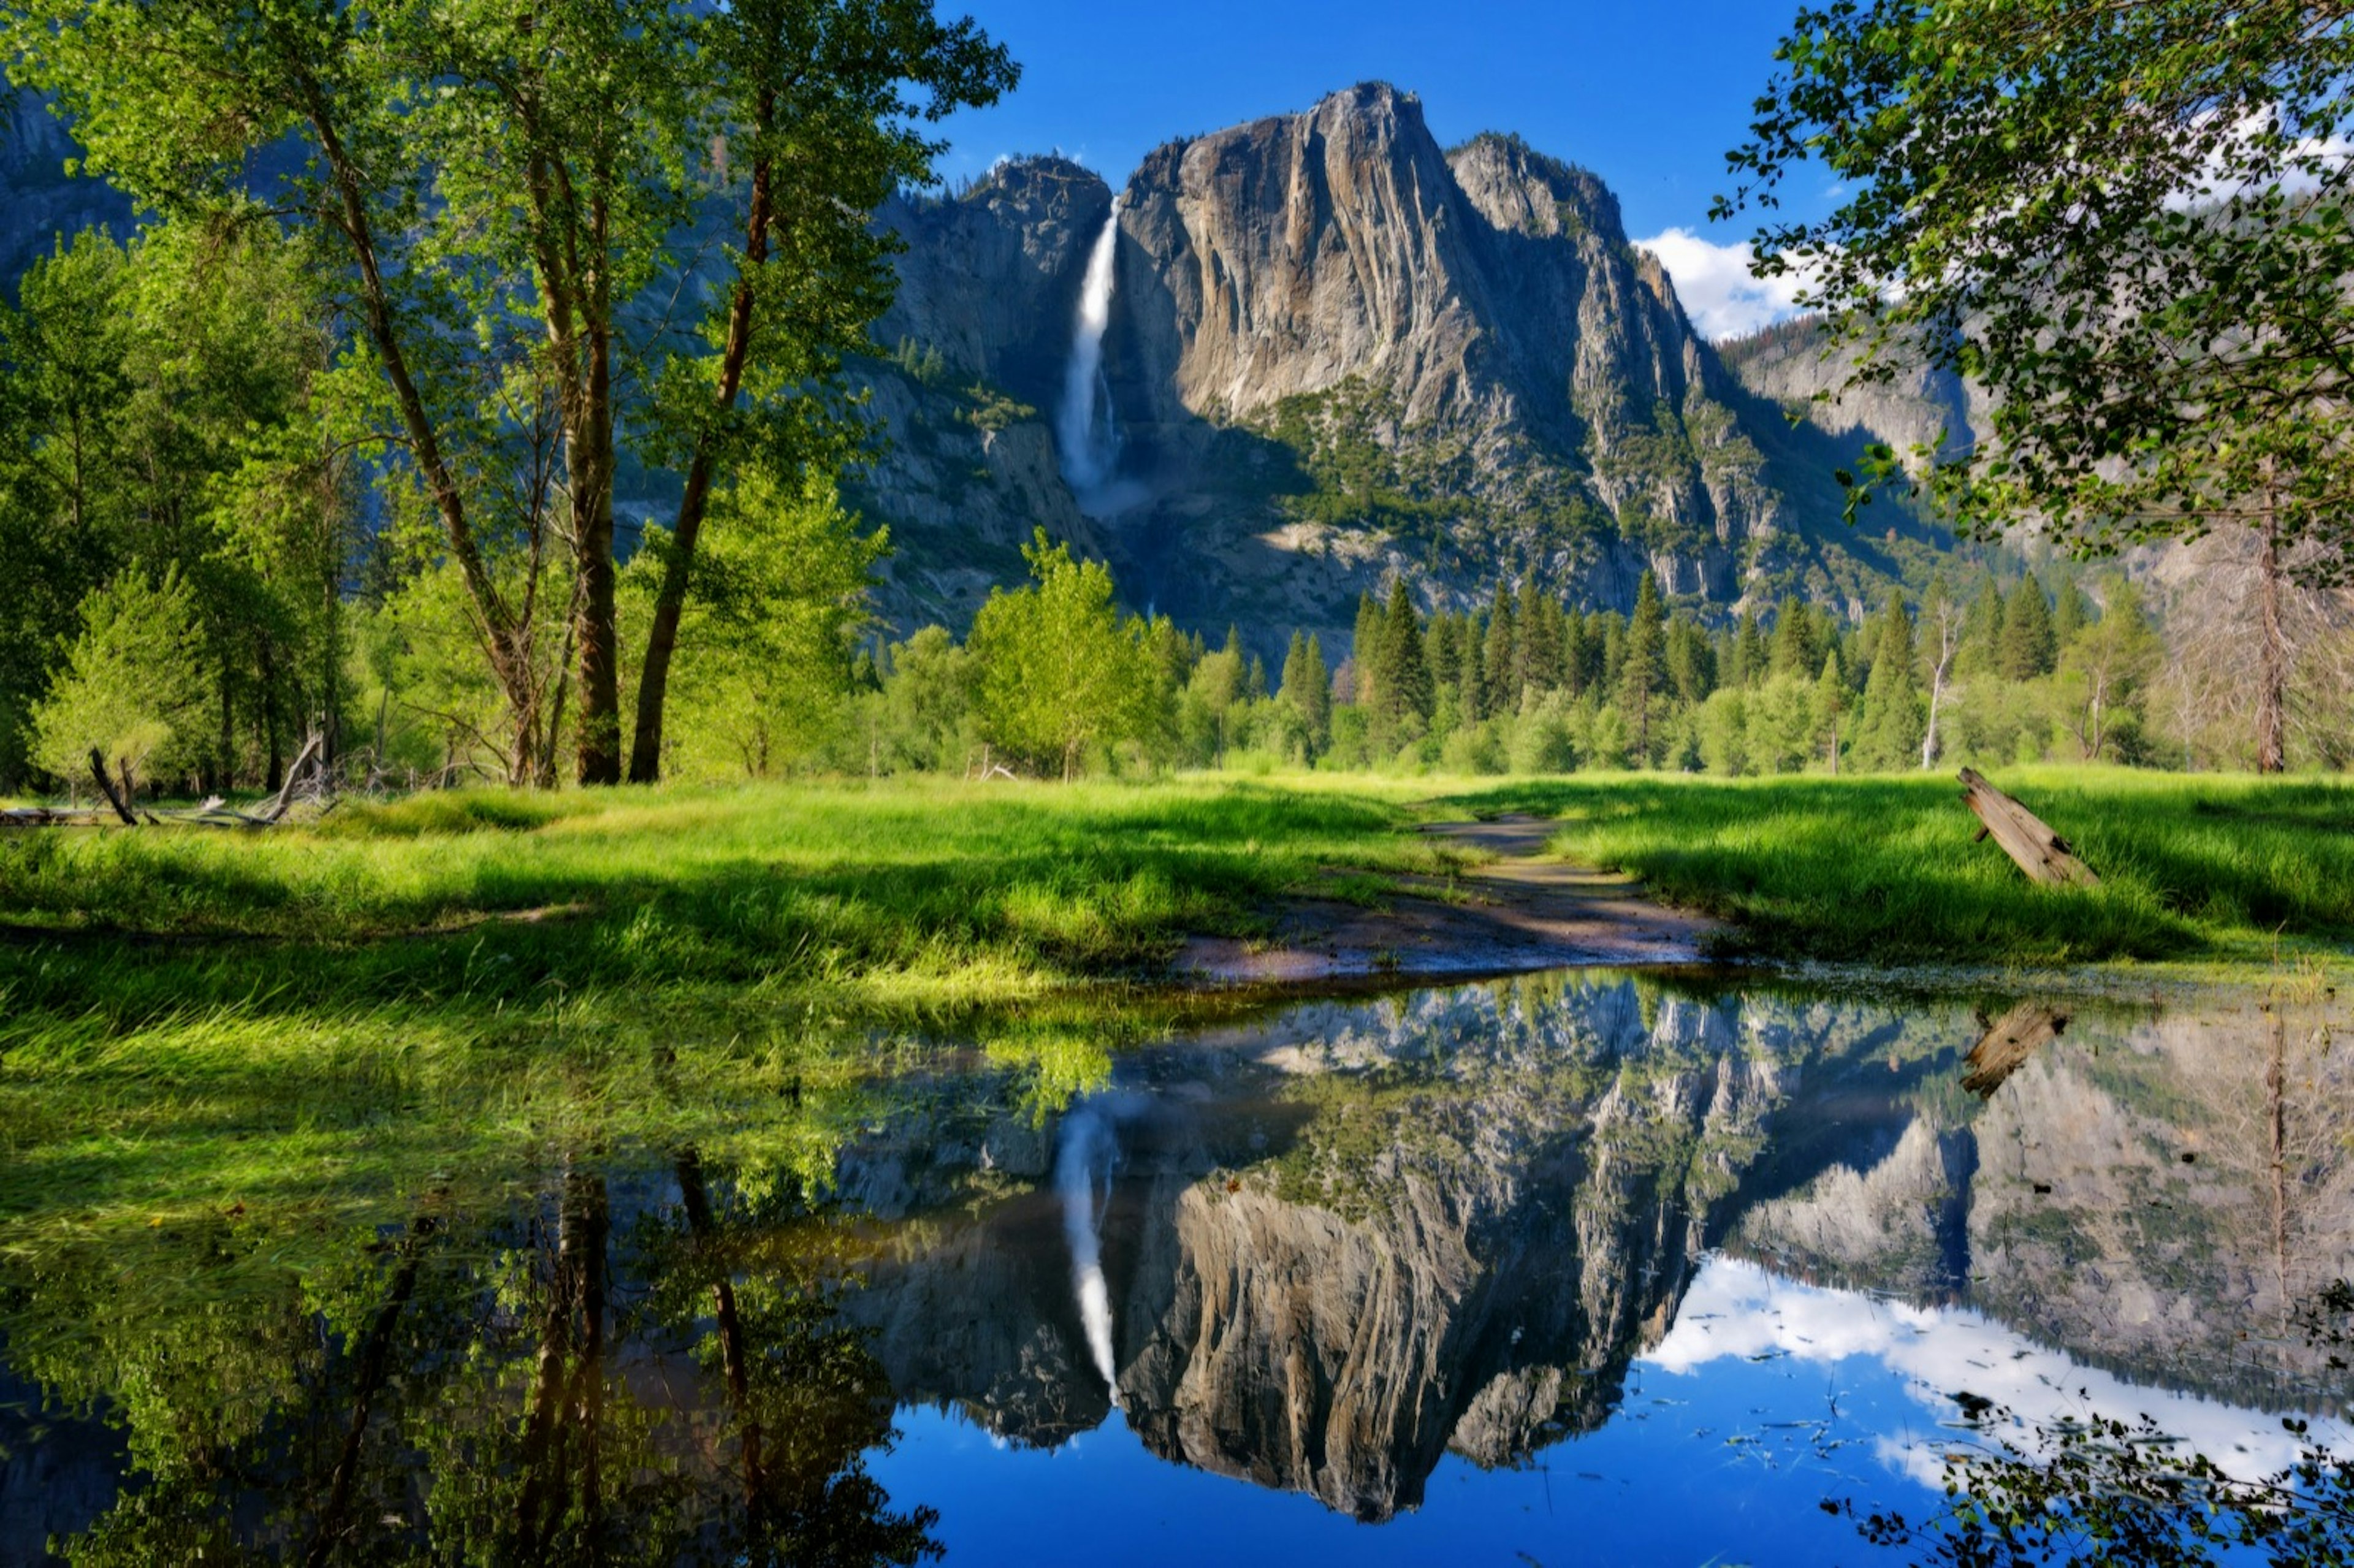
column 1751, row 660
column 1540, row 629
column 1254, row 688
column 1401, row 674
column 1982, row 626
column 2071, row 613
column 1501, row 659
column 1798, row 648
column 1445, row 652
column 1888, row 731
column 1692, row 660
column 1642, row 673
column 1831, row 702
column 1577, row 653
column 2028, row 648
column 1474, row 691
column 1363, row 645
column 1316, row 698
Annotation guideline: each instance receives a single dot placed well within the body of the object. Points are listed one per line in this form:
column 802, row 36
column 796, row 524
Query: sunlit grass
column 1886, row 869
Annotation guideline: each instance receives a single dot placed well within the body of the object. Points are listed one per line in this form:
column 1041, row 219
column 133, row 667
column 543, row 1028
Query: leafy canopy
column 2129, row 221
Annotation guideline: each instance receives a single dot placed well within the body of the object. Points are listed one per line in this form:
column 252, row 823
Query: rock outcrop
column 1341, row 356
column 40, row 202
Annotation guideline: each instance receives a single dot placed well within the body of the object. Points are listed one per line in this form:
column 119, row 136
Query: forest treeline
column 1055, row 678
column 199, row 581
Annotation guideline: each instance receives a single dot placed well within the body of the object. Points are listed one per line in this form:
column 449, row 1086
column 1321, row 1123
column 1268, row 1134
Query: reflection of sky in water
column 1764, row 1398
column 1737, row 1310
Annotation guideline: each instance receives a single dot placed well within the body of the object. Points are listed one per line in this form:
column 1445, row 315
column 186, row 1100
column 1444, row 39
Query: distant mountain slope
column 1337, row 355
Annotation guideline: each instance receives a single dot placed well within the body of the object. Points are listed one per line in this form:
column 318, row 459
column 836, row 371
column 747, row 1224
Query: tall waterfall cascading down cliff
column 1089, row 441
column 1086, row 1144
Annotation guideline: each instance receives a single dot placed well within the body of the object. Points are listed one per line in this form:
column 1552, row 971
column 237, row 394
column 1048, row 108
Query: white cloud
column 1738, row 1309
column 1713, row 282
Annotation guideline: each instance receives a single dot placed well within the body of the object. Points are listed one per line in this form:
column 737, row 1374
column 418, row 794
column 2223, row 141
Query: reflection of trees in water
column 1341, row 1244
column 2103, row 1491
column 494, row 1385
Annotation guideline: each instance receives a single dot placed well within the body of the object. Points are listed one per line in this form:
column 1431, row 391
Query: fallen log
column 2044, row 854
column 47, row 817
column 2008, row 1044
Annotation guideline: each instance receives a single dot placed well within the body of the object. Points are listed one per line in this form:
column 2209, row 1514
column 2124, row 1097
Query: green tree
column 2071, row 612
column 1797, row 646
column 1982, row 648
column 1061, row 670
column 1500, row 662
column 1692, row 660
column 1751, row 661
column 132, row 687
column 1539, row 628
column 1404, row 694
column 2103, row 673
column 1643, row 673
column 925, row 710
column 2028, row 647
column 1308, row 692
column 491, row 201
column 1830, row 705
column 2129, row 223
column 1888, row 730
column 1364, row 640
column 767, row 679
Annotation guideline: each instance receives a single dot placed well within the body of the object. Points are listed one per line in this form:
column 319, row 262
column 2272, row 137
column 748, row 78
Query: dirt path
column 1518, row 912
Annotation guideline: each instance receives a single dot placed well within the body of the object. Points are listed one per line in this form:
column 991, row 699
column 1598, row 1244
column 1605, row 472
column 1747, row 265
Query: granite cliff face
column 1340, row 355
column 1795, row 366
column 39, row 202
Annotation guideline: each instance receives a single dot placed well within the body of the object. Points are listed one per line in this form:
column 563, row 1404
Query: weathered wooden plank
column 2006, row 1045
column 2044, row 854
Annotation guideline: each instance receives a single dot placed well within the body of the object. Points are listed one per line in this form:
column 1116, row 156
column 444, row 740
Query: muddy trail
column 1517, row 912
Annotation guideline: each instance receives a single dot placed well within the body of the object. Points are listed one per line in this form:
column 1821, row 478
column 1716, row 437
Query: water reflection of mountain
column 1335, row 1246
column 1347, row 1243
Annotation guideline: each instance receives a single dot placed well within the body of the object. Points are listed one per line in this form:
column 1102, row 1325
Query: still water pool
column 1582, row 1268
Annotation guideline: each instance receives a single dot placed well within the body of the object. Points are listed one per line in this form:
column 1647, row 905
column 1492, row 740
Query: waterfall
column 1086, row 1142
column 1091, row 444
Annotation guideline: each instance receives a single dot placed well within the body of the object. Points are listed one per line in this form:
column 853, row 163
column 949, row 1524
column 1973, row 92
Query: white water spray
column 1091, row 444
column 1086, row 1144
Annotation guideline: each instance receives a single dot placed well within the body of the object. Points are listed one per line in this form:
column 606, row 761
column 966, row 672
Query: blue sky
column 1647, row 96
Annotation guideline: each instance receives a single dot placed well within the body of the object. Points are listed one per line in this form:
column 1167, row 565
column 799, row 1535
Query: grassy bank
column 2196, row 870
column 455, row 982
column 923, row 891
column 458, row 982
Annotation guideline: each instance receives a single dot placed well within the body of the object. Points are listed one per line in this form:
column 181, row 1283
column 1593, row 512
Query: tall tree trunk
column 2272, row 677
column 505, row 641
column 589, row 451
column 568, row 1396
column 669, row 600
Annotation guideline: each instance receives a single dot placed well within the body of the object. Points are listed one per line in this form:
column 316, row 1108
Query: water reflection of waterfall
column 1090, row 442
column 1083, row 1176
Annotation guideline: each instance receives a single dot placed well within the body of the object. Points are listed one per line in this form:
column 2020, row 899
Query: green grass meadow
column 202, row 1022
column 2202, row 870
